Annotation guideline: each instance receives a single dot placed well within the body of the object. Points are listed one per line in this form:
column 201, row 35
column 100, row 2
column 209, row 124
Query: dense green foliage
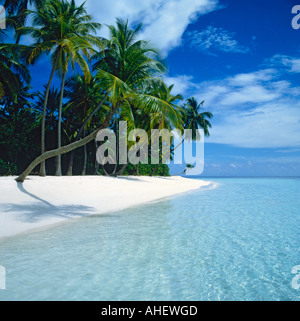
column 120, row 80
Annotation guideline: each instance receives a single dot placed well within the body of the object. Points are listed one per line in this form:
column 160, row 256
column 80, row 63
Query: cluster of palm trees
column 120, row 79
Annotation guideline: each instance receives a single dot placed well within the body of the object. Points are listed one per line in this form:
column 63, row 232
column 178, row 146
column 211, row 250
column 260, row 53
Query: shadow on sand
column 36, row 211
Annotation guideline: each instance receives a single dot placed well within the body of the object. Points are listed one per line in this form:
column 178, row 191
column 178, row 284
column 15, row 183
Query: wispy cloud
column 260, row 109
column 288, row 151
column 291, row 64
column 269, row 125
column 212, row 40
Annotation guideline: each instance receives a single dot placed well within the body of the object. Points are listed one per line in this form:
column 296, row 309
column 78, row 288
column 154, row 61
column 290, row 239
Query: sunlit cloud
column 164, row 21
column 252, row 110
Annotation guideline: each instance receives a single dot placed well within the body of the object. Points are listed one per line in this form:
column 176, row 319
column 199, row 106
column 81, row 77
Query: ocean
column 236, row 240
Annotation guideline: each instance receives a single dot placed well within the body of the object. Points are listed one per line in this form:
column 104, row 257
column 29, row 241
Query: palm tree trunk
column 155, row 168
column 65, row 149
column 117, row 144
column 121, row 170
column 43, row 164
column 96, row 163
column 58, row 159
column 164, row 159
column 71, row 161
column 70, row 167
column 84, row 157
column 181, row 173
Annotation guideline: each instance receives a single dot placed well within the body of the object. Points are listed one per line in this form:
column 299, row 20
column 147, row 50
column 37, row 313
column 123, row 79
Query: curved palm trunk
column 70, row 167
column 43, row 165
column 120, row 171
column 58, row 159
column 65, row 149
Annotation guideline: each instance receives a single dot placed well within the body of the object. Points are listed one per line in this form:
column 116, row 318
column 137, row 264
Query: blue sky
column 242, row 58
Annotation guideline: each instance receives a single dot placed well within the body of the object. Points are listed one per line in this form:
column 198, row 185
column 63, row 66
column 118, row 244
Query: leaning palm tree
column 123, row 69
column 64, row 30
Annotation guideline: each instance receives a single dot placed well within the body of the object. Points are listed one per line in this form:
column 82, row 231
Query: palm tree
column 140, row 114
column 13, row 71
column 65, row 31
column 124, row 69
column 188, row 167
column 51, row 112
column 75, row 43
column 166, row 118
column 19, row 120
column 195, row 119
column 53, row 102
column 84, row 98
column 17, row 13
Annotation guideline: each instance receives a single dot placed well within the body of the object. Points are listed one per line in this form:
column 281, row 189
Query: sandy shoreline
column 40, row 202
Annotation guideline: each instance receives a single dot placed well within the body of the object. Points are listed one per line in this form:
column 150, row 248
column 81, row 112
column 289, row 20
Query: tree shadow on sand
column 34, row 212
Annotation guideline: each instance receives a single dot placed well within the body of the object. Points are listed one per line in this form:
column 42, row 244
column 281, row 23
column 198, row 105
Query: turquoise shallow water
column 238, row 241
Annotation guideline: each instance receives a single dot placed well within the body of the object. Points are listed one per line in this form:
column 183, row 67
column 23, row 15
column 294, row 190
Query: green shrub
column 7, row 168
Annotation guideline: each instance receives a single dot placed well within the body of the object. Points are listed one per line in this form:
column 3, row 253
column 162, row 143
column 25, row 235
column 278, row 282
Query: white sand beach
column 43, row 201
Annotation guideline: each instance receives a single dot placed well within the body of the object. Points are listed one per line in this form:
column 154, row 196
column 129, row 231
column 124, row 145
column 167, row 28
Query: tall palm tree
column 64, row 30
column 125, row 66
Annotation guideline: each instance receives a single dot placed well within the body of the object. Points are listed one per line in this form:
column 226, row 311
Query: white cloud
column 262, row 112
column 164, row 20
column 270, row 125
column 249, row 94
column 252, row 78
column 253, row 110
column 215, row 39
column 244, row 90
column 292, row 64
column 183, row 84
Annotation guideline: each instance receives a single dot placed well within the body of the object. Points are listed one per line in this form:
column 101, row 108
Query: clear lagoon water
column 238, row 241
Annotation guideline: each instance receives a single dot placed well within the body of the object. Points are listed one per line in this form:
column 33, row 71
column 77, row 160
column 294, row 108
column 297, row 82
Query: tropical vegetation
column 52, row 129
